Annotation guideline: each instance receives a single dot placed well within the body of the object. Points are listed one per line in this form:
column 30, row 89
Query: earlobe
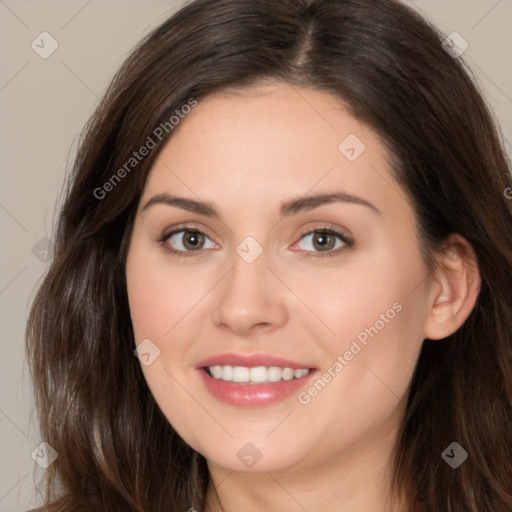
column 455, row 287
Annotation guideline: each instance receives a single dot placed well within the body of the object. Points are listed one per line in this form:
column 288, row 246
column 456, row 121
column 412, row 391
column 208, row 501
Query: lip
column 251, row 361
column 245, row 395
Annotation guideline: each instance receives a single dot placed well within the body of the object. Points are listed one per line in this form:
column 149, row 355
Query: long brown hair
column 117, row 452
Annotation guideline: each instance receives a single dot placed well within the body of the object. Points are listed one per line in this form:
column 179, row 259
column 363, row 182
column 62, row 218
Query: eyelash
column 347, row 242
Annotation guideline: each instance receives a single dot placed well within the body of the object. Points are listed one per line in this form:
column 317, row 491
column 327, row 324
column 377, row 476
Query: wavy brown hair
column 117, row 451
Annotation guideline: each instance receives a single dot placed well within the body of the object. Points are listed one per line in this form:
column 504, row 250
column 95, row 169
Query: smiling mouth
column 254, row 375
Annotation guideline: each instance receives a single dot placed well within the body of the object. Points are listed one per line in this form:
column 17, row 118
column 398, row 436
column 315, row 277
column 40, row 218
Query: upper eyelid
column 185, row 227
column 324, row 227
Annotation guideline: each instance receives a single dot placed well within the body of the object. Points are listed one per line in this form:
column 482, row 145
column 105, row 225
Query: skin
column 245, row 152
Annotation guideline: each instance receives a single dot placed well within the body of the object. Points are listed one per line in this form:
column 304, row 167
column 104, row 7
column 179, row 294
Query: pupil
column 192, row 240
column 323, row 240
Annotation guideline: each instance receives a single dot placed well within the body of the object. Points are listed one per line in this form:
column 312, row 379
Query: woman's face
column 271, row 235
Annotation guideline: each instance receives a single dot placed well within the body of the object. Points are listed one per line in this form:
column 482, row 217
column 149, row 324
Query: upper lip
column 251, row 361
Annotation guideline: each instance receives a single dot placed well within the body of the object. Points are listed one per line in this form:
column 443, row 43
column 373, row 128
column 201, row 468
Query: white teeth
column 274, row 374
column 227, row 373
column 256, row 375
column 287, row 374
column 216, row 371
column 240, row 374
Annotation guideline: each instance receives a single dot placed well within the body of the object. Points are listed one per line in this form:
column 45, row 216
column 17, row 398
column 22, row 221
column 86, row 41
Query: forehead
column 271, row 141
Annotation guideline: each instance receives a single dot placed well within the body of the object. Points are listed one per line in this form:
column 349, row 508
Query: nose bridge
column 250, row 297
column 248, row 279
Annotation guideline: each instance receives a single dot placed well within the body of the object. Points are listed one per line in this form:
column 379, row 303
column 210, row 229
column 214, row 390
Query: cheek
column 366, row 289
column 159, row 294
column 373, row 314
column 161, row 300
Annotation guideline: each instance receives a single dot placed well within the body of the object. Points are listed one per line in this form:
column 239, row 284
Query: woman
column 297, row 215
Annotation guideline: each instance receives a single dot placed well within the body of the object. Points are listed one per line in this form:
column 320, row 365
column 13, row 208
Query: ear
column 454, row 290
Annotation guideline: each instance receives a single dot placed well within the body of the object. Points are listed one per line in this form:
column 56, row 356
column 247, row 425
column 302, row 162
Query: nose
column 250, row 300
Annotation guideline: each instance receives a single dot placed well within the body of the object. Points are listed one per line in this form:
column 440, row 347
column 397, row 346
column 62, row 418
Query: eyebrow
column 287, row 208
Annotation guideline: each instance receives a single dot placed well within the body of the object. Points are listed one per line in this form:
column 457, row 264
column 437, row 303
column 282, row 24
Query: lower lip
column 252, row 395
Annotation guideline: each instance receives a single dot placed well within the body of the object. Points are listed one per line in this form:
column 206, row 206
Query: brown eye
column 323, row 240
column 193, row 240
column 188, row 240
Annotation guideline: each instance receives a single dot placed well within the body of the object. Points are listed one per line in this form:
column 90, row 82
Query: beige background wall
column 44, row 104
